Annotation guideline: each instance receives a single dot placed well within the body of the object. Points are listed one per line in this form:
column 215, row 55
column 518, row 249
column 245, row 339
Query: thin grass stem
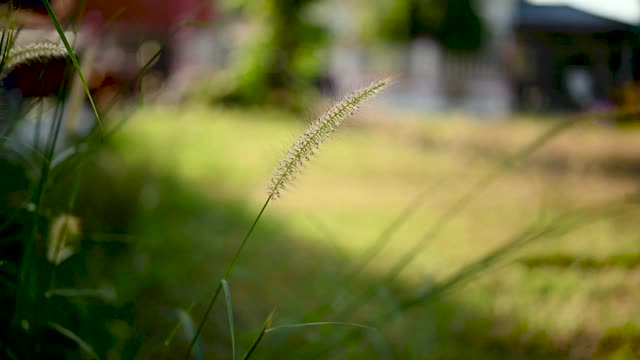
column 73, row 58
column 265, row 327
column 232, row 329
column 227, row 272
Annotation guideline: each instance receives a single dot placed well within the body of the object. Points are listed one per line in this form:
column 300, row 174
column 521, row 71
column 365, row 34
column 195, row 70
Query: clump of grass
column 7, row 37
column 34, row 239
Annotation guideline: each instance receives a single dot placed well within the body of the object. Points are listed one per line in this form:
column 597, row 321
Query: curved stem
column 227, row 272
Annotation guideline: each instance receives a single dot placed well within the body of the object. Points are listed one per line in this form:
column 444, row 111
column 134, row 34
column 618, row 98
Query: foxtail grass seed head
column 64, row 234
column 319, row 131
column 38, row 52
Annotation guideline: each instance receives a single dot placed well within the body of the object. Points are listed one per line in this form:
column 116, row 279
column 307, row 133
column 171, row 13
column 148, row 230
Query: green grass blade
column 227, row 297
column 175, row 329
column 559, row 226
column 6, row 43
column 105, row 294
column 11, row 355
column 373, row 333
column 204, row 320
column 190, row 329
column 75, row 338
column 29, row 287
column 474, row 268
column 316, row 324
column 265, row 328
column 188, row 311
column 227, row 272
column 73, row 57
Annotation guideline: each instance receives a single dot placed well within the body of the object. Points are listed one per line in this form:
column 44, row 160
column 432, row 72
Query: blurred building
column 537, row 58
column 120, row 29
column 433, row 78
column 175, row 24
column 565, row 58
column 115, row 39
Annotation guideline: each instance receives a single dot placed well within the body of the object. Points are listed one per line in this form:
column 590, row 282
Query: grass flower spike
column 316, row 134
column 39, row 52
column 300, row 152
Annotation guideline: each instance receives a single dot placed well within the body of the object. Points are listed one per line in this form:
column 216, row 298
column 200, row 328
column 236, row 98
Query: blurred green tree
column 280, row 62
column 456, row 24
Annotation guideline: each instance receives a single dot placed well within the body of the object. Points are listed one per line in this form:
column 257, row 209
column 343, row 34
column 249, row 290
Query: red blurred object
column 146, row 15
column 128, row 22
column 150, row 15
column 38, row 79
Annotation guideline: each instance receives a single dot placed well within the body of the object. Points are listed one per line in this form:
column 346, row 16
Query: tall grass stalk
column 7, row 39
column 232, row 328
column 73, row 58
column 88, row 350
column 292, row 163
column 33, row 279
column 29, row 283
column 265, row 327
column 441, row 222
column 34, row 282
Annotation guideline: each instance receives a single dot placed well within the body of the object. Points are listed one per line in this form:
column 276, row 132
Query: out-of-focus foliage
column 279, row 61
column 192, row 199
column 455, row 23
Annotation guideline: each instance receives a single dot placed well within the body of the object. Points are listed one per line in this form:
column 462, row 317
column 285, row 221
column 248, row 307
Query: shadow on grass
column 152, row 246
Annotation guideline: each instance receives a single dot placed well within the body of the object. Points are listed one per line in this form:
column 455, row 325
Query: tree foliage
column 456, row 24
column 280, row 62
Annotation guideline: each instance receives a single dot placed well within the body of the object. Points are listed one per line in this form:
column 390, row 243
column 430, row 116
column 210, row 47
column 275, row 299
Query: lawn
column 192, row 179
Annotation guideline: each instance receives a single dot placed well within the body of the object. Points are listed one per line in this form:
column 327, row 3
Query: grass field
column 194, row 179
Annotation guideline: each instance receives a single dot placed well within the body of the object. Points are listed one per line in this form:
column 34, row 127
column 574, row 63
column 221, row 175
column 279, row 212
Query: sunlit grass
column 372, row 170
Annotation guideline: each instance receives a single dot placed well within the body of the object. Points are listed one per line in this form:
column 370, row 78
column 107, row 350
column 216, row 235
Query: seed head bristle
column 38, row 52
column 318, row 132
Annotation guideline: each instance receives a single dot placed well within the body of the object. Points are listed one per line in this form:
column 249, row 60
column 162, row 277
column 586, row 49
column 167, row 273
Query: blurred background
column 484, row 206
